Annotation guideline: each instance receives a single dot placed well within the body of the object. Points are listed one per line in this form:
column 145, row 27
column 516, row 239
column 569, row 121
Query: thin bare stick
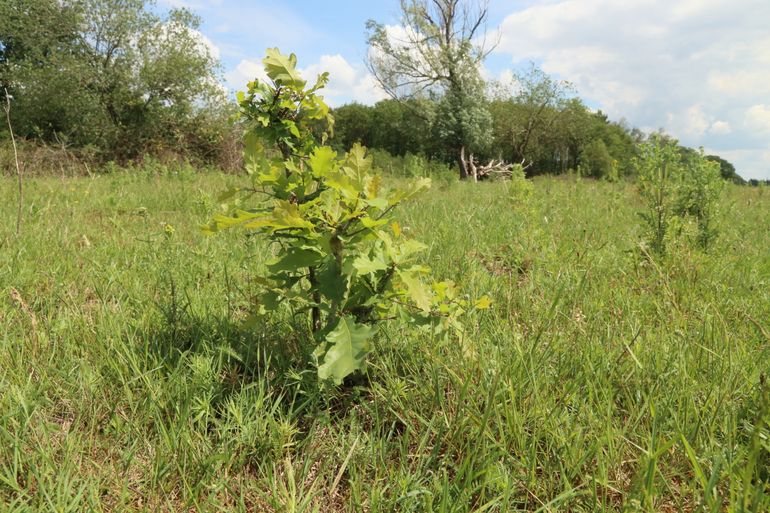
column 7, row 108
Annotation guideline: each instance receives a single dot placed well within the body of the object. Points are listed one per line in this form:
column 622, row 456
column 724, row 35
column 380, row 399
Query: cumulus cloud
column 693, row 121
column 243, row 73
column 346, row 82
column 698, row 68
column 720, row 128
column 758, row 118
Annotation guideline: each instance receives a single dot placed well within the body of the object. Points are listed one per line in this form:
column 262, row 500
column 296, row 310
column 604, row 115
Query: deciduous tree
column 437, row 52
column 111, row 74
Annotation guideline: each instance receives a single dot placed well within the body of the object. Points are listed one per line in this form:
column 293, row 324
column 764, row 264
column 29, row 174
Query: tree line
column 567, row 136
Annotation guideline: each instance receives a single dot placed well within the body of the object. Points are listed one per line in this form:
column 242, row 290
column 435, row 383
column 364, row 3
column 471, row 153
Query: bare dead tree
column 438, row 41
column 7, row 108
column 494, row 169
column 438, row 51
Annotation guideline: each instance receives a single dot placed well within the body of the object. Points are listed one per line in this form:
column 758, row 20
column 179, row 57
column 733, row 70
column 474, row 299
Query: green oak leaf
column 285, row 215
column 282, row 68
column 417, row 290
column 342, row 183
column 322, row 161
column 331, row 282
column 349, row 345
column 294, row 259
column 220, row 222
column 364, row 265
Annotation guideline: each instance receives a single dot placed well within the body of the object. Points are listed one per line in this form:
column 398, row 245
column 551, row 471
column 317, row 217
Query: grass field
column 599, row 381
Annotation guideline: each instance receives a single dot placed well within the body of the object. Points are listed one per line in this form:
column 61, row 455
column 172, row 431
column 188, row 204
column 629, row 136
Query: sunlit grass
column 600, row 381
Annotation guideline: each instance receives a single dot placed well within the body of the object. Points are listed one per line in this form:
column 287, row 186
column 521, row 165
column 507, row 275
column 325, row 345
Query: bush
column 675, row 189
column 340, row 256
column 659, row 169
column 595, row 161
column 698, row 196
column 412, row 166
column 519, row 188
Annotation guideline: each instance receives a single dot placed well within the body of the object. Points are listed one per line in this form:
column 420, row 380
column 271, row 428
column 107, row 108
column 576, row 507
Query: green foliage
column 534, row 121
column 698, row 196
column 111, row 75
column 340, row 256
column 596, row 161
column 678, row 185
column 353, row 124
column 412, row 166
column 462, row 117
column 440, row 57
column 519, row 188
column 398, row 127
column 726, row 169
column 659, row 171
column 526, row 111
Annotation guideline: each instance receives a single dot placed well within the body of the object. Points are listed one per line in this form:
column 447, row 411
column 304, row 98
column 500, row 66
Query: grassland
column 601, row 380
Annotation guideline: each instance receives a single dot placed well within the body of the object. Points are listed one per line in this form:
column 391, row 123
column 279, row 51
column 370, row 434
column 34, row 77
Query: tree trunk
column 463, row 164
column 471, row 165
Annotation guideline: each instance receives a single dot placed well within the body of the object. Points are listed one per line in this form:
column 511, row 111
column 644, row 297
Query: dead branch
column 494, row 168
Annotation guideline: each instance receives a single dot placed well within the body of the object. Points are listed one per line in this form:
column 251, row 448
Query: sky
column 699, row 69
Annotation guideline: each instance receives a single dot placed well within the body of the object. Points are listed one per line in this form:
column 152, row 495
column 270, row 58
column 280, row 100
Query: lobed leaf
column 350, row 343
column 282, row 68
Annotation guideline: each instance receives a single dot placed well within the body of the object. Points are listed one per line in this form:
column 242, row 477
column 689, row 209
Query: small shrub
column 675, row 190
column 340, row 256
column 412, row 166
column 659, row 169
column 595, row 160
column 519, row 188
column 698, row 196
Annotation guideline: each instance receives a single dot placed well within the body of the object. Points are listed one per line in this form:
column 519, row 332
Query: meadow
column 600, row 380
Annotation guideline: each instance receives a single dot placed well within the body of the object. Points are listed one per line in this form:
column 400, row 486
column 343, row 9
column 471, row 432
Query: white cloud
column 758, row 118
column 739, row 83
column 698, row 68
column 695, row 123
column 346, row 82
column 720, row 128
column 244, row 72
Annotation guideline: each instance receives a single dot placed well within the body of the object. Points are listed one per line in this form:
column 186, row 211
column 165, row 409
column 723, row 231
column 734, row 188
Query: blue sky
column 700, row 69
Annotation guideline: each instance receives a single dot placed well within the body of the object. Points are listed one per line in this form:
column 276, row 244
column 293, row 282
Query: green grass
column 600, row 380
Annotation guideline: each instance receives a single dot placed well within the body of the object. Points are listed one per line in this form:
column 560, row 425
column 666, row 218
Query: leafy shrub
column 519, row 188
column 596, row 161
column 340, row 256
column 659, row 169
column 675, row 190
column 698, row 196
